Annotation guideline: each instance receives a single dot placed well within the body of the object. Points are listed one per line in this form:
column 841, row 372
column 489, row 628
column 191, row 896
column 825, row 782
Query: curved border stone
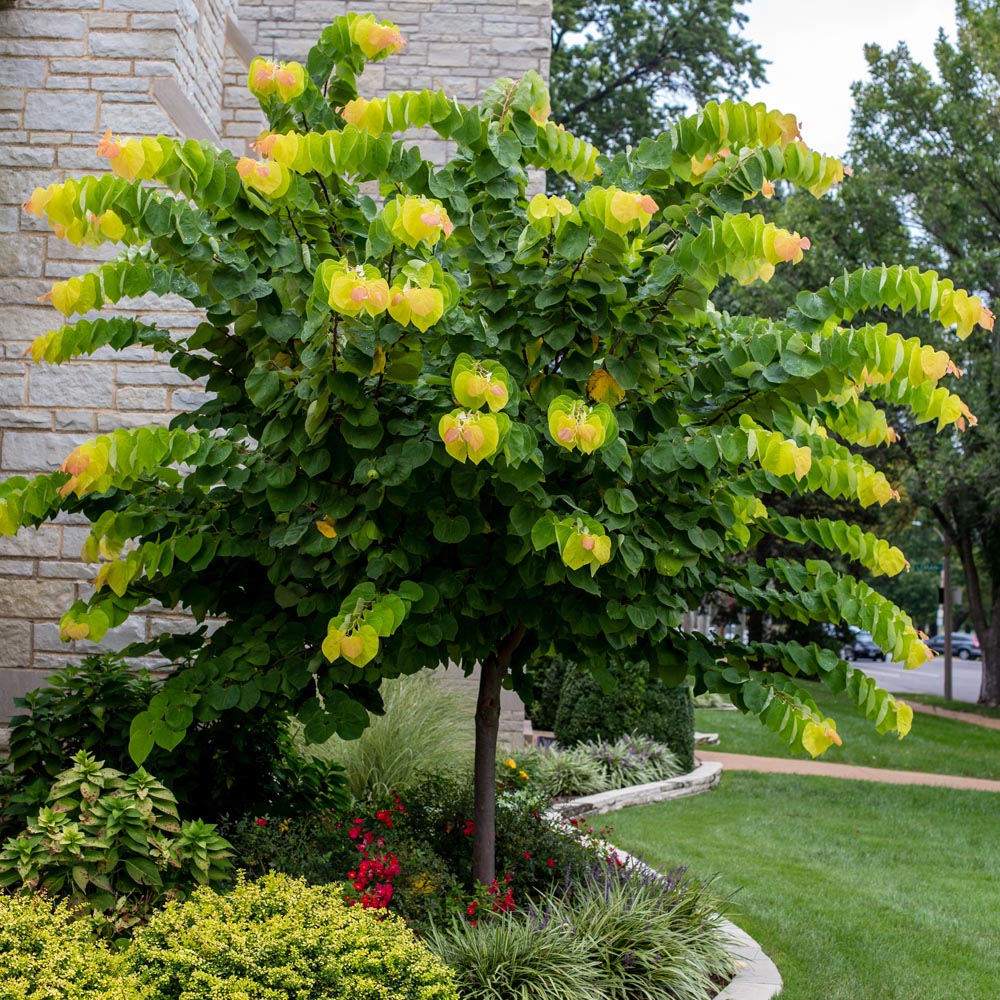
column 705, row 776
column 757, row 977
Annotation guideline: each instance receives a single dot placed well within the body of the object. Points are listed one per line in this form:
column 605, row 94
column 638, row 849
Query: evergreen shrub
column 637, row 704
column 45, row 953
column 281, row 939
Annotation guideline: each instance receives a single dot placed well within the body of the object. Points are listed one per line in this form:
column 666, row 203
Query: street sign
column 928, row 567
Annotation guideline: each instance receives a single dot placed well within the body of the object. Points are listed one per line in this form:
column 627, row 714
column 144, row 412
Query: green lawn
column 945, row 746
column 857, row 891
column 989, row 711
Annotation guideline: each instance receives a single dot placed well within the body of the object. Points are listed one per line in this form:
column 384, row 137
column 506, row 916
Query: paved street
column 928, row 679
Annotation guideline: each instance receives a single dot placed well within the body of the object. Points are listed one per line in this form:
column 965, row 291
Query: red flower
column 469, row 828
column 261, row 821
column 472, row 908
column 384, row 816
column 353, row 833
column 551, row 862
column 527, row 856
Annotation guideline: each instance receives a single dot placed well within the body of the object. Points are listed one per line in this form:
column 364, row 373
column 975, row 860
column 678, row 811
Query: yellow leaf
column 904, row 718
column 326, row 527
column 378, row 362
column 602, row 388
column 818, row 737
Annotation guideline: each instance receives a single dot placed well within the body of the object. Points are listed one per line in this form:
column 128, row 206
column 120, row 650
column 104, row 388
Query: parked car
column 964, row 645
column 863, row 647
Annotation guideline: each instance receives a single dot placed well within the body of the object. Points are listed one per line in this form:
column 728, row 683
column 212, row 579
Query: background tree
column 621, row 71
column 458, row 424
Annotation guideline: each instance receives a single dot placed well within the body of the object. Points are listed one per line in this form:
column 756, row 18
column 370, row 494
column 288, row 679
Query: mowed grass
column 856, row 890
column 987, row 711
column 938, row 745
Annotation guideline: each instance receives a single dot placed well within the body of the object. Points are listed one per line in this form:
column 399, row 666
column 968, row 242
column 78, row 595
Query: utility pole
column 948, row 598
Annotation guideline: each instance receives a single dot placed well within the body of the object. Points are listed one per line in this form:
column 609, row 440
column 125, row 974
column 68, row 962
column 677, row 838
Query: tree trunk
column 986, row 622
column 492, row 673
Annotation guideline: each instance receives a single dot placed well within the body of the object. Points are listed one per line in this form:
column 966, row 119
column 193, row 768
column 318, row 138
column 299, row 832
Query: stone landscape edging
column 757, row 977
column 705, row 776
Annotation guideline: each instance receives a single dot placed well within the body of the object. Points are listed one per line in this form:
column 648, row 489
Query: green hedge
column 637, row 703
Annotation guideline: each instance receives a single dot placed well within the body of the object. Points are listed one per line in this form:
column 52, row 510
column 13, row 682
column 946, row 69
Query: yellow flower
column 510, row 762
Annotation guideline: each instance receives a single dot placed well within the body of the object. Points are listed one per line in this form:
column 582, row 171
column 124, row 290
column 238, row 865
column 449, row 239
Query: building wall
column 69, row 69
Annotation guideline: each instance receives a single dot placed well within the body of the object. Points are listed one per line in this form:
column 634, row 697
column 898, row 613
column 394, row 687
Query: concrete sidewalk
column 783, row 765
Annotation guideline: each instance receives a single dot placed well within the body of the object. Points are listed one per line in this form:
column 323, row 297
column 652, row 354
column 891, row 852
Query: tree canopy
column 622, row 71
column 460, row 423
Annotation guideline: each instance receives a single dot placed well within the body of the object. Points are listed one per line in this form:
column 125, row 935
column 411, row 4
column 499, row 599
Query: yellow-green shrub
column 281, row 939
column 44, row 954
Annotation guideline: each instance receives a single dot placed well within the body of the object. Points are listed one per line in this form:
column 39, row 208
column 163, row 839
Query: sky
column 816, row 48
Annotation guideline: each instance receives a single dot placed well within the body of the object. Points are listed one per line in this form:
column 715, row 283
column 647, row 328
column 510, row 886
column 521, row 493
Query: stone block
column 151, row 375
column 46, row 639
column 119, row 84
column 110, row 420
column 21, row 256
column 133, row 44
column 36, row 598
column 46, row 112
column 64, row 570
column 37, row 451
column 12, row 392
column 73, row 384
column 118, row 20
column 63, row 4
column 40, row 542
column 18, row 419
column 16, row 681
column 26, row 156
column 157, row 22
column 17, row 567
column 145, row 398
column 73, row 537
column 15, row 642
column 26, row 73
column 132, row 630
column 24, row 323
column 75, row 420
column 16, row 185
column 22, row 24
column 39, row 49
column 145, row 6
column 136, row 119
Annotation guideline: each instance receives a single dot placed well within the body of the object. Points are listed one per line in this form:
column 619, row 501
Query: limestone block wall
column 69, row 69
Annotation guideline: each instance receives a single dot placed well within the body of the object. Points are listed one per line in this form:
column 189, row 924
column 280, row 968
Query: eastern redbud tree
column 445, row 420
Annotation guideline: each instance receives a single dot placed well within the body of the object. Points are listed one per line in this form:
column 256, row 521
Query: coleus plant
column 455, row 422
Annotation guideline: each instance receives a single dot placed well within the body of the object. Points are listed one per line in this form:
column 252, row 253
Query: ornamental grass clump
column 633, row 760
column 615, row 932
column 658, row 936
column 425, row 729
column 564, row 773
column 513, row 956
column 280, row 939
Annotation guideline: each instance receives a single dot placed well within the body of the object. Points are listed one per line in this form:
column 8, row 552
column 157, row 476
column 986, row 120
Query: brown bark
column 492, row 673
column 986, row 621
